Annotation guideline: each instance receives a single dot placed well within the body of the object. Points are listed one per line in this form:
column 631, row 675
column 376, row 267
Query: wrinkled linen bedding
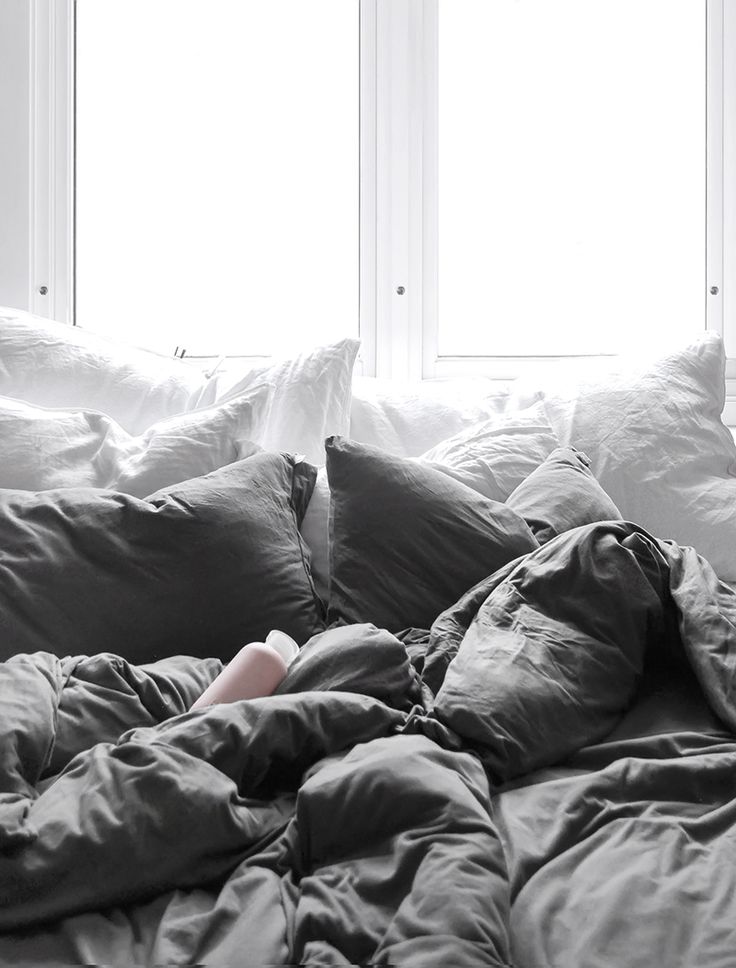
column 547, row 778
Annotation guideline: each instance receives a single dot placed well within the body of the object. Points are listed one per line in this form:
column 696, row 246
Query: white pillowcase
column 493, row 457
column 405, row 419
column 656, row 442
column 54, row 365
column 307, row 398
column 44, row 449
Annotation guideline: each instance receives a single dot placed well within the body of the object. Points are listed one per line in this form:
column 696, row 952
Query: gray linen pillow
column 199, row 568
column 406, row 539
column 562, row 494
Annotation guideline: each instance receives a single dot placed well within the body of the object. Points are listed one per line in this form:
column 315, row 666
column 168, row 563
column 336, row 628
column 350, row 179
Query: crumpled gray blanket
column 358, row 816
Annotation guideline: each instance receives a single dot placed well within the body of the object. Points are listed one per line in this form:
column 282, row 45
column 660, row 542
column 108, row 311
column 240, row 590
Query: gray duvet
column 547, row 780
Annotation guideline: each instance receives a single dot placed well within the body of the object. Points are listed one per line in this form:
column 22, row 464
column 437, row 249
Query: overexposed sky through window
column 571, row 174
column 217, row 172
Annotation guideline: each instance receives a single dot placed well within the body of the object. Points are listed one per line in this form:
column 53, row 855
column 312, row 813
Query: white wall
column 14, row 153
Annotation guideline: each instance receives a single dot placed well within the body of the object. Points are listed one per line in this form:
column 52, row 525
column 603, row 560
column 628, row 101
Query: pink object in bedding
column 257, row 670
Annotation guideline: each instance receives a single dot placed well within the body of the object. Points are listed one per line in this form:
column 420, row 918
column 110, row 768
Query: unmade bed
column 508, row 737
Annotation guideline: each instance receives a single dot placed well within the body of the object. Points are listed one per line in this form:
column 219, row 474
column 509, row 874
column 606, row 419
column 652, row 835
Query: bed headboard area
column 78, row 410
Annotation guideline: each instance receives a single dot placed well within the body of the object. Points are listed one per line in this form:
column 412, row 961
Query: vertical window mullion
column 63, row 159
column 421, row 73
column 51, row 158
column 714, row 295
column 398, row 134
column 391, row 188
column 430, row 189
column 41, row 73
column 721, row 166
column 368, row 185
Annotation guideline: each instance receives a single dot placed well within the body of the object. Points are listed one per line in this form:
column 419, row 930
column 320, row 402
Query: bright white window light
column 217, row 172
column 571, row 174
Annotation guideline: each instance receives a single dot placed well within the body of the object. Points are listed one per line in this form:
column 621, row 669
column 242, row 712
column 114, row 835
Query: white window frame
column 392, row 158
column 51, row 156
column 721, row 185
column 398, row 177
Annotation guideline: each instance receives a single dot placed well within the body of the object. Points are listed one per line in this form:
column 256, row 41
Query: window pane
column 571, row 174
column 217, row 172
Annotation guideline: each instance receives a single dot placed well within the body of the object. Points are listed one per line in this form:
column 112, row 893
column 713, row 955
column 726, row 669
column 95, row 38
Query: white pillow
column 492, row 457
column 44, row 449
column 405, row 419
column 308, row 397
column 495, row 456
column 54, row 365
column 656, row 442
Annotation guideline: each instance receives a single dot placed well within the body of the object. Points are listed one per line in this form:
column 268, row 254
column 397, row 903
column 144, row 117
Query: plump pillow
column 55, row 365
column 562, row 494
column 407, row 418
column 197, row 569
column 491, row 457
column 307, row 397
column 44, row 449
column 406, row 539
column 656, row 442
column 495, row 456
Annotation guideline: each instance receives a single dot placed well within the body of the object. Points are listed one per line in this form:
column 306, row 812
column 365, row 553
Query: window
column 572, row 184
column 217, row 172
column 466, row 183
